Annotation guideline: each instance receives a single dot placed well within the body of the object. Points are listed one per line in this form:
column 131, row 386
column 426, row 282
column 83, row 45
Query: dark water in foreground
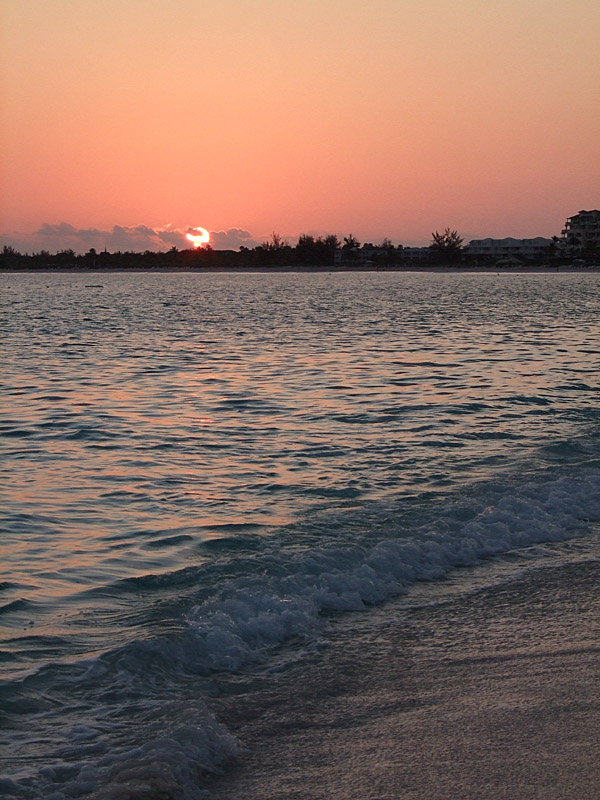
column 202, row 474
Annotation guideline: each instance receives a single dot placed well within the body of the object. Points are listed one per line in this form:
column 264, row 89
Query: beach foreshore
column 490, row 695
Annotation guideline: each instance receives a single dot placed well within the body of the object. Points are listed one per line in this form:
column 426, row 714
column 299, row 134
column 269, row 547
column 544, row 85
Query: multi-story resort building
column 582, row 231
column 495, row 249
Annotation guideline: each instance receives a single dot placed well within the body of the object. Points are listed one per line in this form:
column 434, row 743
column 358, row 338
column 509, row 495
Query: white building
column 495, row 249
column 582, row 230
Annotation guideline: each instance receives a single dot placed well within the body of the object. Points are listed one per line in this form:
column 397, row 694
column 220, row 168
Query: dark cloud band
column 139, row 238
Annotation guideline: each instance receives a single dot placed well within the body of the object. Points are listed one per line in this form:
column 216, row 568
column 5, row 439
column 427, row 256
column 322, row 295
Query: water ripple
column 165, row 420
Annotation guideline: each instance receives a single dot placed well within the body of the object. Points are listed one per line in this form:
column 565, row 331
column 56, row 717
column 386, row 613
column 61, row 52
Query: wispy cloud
column 63, row 236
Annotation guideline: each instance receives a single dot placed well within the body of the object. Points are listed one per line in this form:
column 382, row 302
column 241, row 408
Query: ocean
column 232, row 503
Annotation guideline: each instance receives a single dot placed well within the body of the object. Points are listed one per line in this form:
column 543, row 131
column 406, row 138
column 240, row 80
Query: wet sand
column 490, row 695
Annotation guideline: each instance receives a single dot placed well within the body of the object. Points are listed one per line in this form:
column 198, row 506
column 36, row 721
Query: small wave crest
column 153, row 733
column 285, row 599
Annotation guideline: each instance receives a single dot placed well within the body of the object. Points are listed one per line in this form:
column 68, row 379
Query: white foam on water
column 282, row 598
column 252, row 614
column 172, row 760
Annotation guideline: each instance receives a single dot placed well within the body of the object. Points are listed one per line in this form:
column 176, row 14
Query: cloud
column 232, row 239
column 63, row 236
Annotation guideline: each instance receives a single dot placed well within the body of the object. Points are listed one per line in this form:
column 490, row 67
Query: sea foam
column 138, row 726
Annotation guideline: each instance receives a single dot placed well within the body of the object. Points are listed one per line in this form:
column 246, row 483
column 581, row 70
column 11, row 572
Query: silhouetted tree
column 350, row 242
column 551, row 251
column 306, row 251
column 275, row 252
column 573, row 243
column 446, row 246
column 275, row 242
column 10, row 258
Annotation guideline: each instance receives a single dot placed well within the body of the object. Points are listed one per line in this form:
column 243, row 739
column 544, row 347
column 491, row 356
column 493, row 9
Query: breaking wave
column 136, row 721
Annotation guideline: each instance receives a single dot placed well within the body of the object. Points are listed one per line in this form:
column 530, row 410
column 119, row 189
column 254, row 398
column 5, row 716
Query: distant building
column 582, row 231
column 346, row 256
column 412, row 254
column 364, row 256
column 370, row 255
column 495, row 249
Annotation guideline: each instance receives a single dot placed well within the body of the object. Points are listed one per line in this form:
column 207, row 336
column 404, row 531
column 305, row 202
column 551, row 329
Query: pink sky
column 380, row 117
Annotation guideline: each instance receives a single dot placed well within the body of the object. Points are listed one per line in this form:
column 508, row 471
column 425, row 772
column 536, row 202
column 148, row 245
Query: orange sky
column 381, row 117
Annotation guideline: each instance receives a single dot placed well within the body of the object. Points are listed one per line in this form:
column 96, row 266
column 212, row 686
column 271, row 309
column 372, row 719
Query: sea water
column 206, row 476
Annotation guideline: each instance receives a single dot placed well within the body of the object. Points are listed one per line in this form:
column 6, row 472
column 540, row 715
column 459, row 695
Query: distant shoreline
column 564, row 270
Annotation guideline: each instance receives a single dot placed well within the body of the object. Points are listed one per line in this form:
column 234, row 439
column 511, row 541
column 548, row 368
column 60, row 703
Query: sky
column 126, row 123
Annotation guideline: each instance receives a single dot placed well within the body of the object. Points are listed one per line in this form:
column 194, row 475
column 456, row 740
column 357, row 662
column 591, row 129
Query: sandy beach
column 493, row 695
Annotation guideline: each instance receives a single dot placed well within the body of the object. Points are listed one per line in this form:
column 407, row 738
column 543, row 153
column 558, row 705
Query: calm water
column 198, row 470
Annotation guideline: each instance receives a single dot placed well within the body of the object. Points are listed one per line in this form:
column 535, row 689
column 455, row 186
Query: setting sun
column 199, row 237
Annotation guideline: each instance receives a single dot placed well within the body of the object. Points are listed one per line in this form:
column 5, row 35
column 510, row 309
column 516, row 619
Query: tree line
column 309, row 251
column 445, row 248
